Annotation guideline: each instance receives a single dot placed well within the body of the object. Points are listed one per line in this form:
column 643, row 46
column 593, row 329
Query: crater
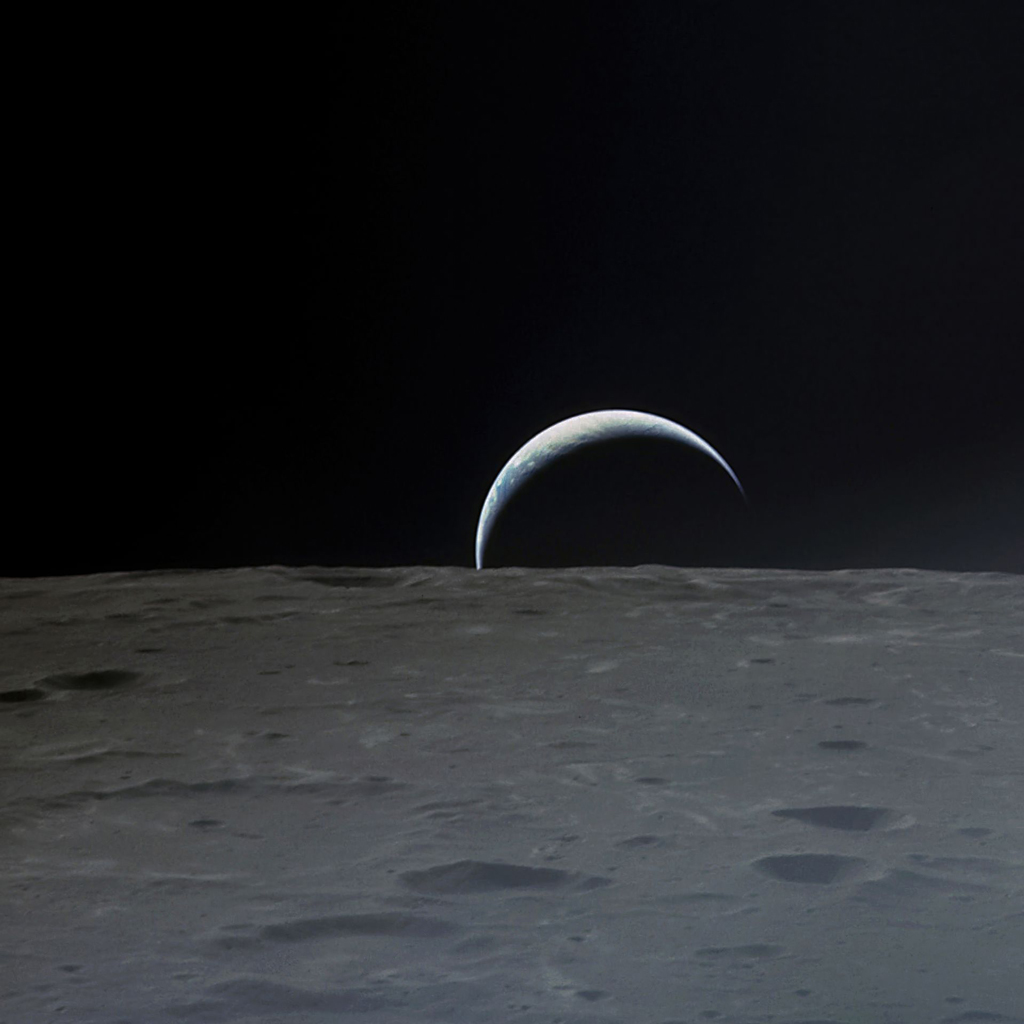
column 101, row 679
column 753, row 951
column 388, row 925
column 344, row 579
column 644, row 840
column 842, row 744
column 473, row 876
column 900, row 886
column 809, row 868
column 22, row 696
column 849, row 818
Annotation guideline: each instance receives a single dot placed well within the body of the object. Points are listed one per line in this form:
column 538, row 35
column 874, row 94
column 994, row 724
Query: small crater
column 471, row 876
column 22, row 696
column 206, row 823
column 975, row 833
column 351, row 663
column 900, row 886
column 592, row 995
column 754, row 951
column 369, row 786
column 528, row 611
column 971, row 865
column 815, row 1020
column 762, row 661
column 845, row 702
column 847, row 818
column 255, row 997
column 980, row 1015
column 652, row 780
column 645, row 840
column 697, row 897
column 809, row 868
column 349, row 580
column 171, row 787
column 150, row 650
column 970, row 752
column 387, row 925
column 842, row 744
column 101, row 679
column 204, row 603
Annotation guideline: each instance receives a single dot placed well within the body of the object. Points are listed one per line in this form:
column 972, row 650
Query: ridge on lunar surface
column 637, row 795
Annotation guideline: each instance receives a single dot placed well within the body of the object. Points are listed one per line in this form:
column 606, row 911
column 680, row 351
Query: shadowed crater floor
column 847, row 818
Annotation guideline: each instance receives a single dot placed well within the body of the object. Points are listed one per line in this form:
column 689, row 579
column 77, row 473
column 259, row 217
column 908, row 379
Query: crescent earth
column 569, row 435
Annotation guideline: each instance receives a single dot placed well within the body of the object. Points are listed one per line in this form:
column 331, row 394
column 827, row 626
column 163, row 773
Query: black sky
column 303, row 288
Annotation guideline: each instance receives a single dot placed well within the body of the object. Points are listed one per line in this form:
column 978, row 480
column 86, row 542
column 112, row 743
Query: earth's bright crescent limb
column 567, row 436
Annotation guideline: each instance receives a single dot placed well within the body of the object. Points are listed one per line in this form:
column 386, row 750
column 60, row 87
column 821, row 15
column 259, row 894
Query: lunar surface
column 644, row 795
column 571, row 434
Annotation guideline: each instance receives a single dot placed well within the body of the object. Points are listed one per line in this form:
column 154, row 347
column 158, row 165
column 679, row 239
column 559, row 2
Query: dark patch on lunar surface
column 809, row 868
column 848, row 818
column 975, row 833
column 842, row 744
column 471, row 876
column 101, row 679
column 843, row 702
column 22, row 696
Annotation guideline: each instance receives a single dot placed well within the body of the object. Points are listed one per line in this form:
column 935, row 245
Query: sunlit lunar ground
column 642, row 795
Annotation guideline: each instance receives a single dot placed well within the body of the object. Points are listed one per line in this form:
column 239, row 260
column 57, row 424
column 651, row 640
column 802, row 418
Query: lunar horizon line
column 569, row 435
